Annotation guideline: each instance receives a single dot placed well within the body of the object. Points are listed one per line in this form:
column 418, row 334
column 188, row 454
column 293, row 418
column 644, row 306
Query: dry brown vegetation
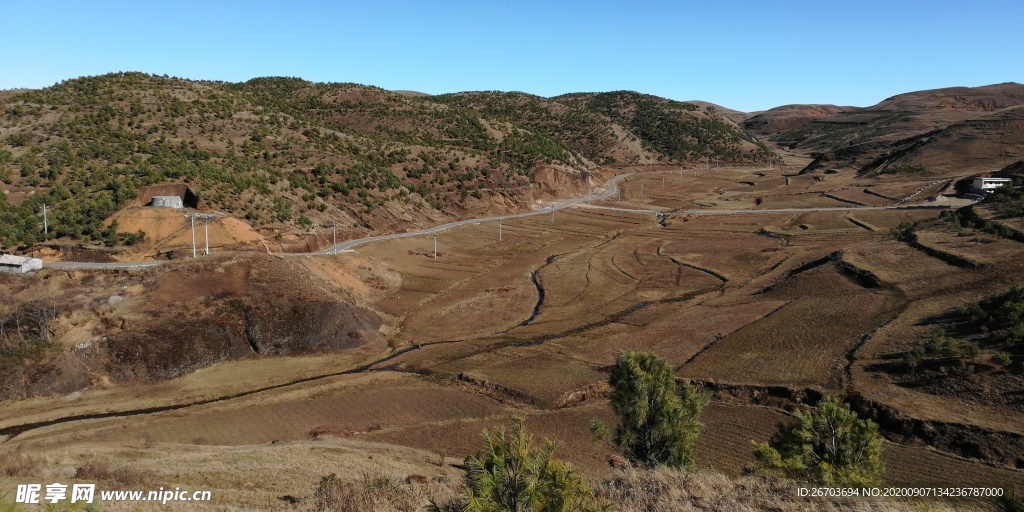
column 766, row 310
column 914, row 136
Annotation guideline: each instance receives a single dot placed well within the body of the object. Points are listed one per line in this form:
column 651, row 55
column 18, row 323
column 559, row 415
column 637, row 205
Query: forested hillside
column 680, row 131
column 287, row 154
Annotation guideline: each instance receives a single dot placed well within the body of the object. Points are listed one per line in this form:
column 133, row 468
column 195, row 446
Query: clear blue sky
column 745, row 55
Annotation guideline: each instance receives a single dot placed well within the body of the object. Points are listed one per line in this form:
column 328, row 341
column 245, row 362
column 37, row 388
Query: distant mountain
column 733, row 115
column 788, row 117
column 415, row 94
column 938, row 132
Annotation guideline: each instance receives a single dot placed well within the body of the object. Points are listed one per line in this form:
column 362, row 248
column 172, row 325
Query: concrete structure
column 188, row 198
column 167, row 202
column 19, row 264
column 984, row 185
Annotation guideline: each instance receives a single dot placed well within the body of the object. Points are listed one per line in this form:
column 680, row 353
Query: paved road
column 766, row 210
column 610, row 189
column 74, row 265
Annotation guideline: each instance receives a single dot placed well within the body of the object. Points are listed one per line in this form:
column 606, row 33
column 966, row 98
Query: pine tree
column 658, row 417
column 828, row 446
column 510, row 475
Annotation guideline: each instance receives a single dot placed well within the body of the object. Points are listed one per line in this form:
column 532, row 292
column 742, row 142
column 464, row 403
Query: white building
column 19, row 264
column 167, row 202
column 988, row 185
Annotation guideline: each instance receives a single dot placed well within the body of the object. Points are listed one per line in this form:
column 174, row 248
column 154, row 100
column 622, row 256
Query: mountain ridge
column 288, row 155
column 981, row 130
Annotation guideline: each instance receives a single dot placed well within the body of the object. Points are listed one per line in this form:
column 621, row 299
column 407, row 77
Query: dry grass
column 19, row 464
column 803, row 343
column 972, row 245
column 736, row 255
column 898, row 189
column 629, row 491
column 379, row 494
column 668, row 491
column 390, row 424
column 252, row 477
column 858, row 195
column 545, row 378
column 341, row 407
column 822, row 221
column 114, row 476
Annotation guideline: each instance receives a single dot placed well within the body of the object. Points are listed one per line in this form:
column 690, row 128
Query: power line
column 206, row 218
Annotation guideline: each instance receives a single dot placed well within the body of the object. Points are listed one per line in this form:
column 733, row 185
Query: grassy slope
column 925, row 132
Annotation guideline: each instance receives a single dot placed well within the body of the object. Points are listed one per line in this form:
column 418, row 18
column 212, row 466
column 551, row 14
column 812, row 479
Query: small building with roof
column 12, row 264
column 988, row 185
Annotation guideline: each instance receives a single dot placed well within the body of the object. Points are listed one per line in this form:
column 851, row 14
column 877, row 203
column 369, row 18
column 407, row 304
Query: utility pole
column 619, row 190
column 663, row 181
column 552, row 214
column 206, row 234
column 206, row 218
column 435, row 245
column 192, row 220
column 334, row 246
column 680, row 175
column 641, row 188
column 499, row 229
column 588, row 196
column 46, row 225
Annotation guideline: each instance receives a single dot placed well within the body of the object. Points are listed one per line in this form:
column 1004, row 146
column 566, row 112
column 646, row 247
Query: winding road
column 610, row 189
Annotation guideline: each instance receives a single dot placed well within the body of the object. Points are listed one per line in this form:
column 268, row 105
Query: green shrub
column 1002, row 359
column 828, row 446
column 904, row 232
column 510, row 475
column 658, row 417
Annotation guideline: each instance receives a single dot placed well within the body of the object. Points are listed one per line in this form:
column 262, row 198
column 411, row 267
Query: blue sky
column 745, row 55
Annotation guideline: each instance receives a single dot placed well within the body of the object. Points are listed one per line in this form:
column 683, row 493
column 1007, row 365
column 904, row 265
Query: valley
column 392, row 274
column 765, row 309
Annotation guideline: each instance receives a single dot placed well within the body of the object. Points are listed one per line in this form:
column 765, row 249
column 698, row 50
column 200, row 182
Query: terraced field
column 770, row 306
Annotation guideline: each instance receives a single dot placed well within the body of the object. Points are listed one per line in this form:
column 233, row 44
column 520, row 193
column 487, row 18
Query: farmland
column 765, row 310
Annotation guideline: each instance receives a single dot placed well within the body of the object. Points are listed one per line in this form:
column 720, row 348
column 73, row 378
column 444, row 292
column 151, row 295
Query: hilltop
column 935, row 133
column 681, row 131
column 290, row 156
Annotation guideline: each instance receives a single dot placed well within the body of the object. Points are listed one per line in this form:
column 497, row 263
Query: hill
column 935, row 133
column 788, row 117
column 291, row 156
column 680, row 131
column 593, row 134
column 282, row 153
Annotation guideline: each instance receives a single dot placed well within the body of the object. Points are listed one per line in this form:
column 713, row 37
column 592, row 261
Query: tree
column 658, row 416
column 828, row 446
column 512, row 476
